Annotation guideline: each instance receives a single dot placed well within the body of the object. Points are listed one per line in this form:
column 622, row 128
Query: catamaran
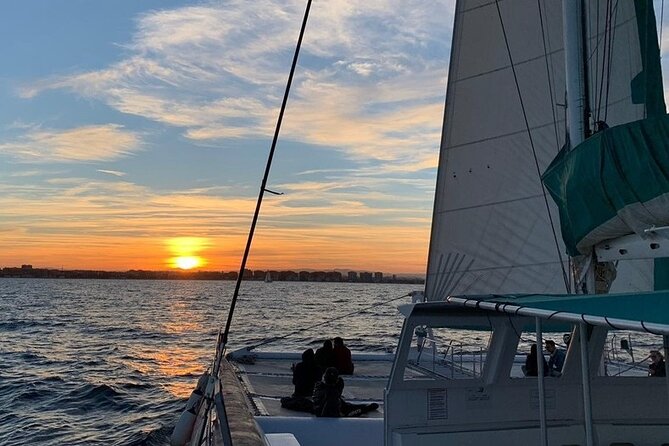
column 544, row 97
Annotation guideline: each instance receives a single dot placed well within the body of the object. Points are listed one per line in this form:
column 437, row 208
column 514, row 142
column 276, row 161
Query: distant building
column 366, row 277
column 304, row 276
column 258, row 274
column 26, row 267
column 333, row 276
column 352, row 276
column 378, row 277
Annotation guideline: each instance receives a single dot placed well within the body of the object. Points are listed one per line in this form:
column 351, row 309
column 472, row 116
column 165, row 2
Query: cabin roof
column 629, row 311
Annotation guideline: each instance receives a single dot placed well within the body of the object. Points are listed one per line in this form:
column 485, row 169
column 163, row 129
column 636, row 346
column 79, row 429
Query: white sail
column 489, row 205
column 490, row 208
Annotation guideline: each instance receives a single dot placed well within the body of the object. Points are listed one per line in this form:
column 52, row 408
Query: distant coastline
column 27, row 271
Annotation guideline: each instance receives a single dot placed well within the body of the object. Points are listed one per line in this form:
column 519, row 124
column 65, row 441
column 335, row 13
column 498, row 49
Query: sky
column 134, row 134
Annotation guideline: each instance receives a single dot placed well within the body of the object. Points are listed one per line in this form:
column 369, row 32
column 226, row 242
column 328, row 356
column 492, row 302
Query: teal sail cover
column 614, row 183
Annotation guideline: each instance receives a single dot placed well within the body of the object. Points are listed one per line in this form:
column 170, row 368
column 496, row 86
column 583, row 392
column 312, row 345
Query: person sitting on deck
column 306, row 374
column 657, row 366
column 530, row 368
column 342, row 357
column 556, row 361
column 328, row 401
column 325, row 355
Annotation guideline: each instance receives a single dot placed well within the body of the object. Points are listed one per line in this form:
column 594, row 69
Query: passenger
column 566, row 338
column 325, row 356
column 657, row 366
column 342, row 357
column 305, row 375
column 556, row 361
column 328, row 401
column 530, row 368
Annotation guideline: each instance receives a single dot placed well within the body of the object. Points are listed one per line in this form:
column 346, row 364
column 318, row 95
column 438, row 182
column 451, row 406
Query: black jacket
column 327, row 399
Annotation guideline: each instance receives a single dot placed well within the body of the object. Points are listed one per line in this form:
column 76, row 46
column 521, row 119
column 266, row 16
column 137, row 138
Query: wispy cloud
column 115, row 173
column 127, row 221
column 218, row 70
column 88, row 143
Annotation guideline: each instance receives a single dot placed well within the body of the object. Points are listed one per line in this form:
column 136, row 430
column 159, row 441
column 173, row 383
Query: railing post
column 585, row 379
column 540, row 383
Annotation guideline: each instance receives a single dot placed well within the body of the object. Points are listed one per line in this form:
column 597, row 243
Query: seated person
column 657, row 366
column 342, row 357
column 328, row 401
column 556, row 361
column 306, row 374
column 530, row 368
column 325, row 355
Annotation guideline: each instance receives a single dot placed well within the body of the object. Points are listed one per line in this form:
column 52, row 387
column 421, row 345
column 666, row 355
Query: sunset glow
column 187, row 262
column 150, row 135
column 184, row 250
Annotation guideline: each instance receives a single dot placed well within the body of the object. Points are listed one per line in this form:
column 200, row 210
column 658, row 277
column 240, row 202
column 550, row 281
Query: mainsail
column 493, row 229
column 489, row 203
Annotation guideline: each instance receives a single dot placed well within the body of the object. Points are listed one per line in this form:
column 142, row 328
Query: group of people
column 555, row 362
column 319, row 386
column 554, row 365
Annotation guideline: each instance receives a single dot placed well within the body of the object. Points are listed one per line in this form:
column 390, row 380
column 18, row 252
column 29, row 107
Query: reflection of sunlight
column 172, row 365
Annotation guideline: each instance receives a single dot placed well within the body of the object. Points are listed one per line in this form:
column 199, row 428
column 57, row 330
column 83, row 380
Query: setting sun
column 187, row 262
column 185, row 250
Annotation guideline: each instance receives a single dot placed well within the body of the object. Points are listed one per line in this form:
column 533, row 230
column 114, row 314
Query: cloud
column 116, row 224
column 115, row 173
column 81, row 144
column 218, row 70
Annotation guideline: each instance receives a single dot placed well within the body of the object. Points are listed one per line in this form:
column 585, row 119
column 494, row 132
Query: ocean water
column 87, row 362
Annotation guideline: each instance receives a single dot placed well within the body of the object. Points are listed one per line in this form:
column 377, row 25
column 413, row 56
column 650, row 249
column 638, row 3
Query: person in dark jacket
column 342, row 357
column 556, row 360
column 530, row 368
column 327, row 394
column 657, row 367
column 328, row 401
column 325, row 355
column 306, row 374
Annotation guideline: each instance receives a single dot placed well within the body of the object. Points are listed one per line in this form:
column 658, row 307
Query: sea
column 112, row 362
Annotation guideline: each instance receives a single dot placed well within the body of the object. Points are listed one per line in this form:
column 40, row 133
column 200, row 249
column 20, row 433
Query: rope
column 534, row 152
column 292, row 333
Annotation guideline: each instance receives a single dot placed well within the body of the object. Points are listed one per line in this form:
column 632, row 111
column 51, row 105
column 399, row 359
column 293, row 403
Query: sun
column 187, row 252
column 187, row 262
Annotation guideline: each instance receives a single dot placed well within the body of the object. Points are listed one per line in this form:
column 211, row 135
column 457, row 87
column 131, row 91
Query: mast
column 577, row 119
column 577, row 110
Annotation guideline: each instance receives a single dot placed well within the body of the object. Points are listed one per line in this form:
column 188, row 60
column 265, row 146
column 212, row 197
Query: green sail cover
column 614, row 183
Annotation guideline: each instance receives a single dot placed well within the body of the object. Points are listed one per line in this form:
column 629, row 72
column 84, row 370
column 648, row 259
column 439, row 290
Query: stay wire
column 550, row 82
column 353, row 313
column 534, row 152
column 223, row 337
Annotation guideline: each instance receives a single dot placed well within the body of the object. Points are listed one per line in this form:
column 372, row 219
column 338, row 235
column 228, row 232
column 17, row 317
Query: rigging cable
column 223, row 337
column 534, row 152
column 550, row 82
column 661, row 25
column 353, row 313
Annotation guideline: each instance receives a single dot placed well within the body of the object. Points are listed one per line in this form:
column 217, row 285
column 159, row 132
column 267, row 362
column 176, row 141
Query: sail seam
column 534, row 153
column 492, row 268
column 492, row 203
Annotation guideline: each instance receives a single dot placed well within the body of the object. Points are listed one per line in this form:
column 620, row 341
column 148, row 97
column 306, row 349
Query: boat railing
column 451, row 359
